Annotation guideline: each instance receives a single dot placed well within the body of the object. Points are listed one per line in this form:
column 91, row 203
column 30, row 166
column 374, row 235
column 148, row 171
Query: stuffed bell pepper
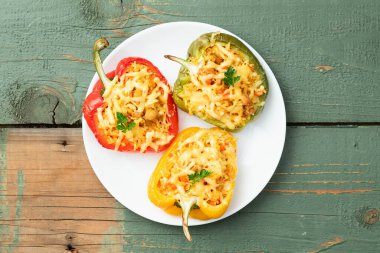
column 196, row 175
column 131, row 108
column 221, row 82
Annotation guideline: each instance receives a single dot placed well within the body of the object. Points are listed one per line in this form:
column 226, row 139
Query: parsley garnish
column 229, row 78
column 123, row 124
column 102, row 91
column 198, row 176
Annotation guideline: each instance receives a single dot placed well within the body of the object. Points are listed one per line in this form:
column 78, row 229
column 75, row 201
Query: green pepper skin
column 196, row 50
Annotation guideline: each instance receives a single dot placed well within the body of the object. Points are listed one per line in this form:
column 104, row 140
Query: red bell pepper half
column 95, row 100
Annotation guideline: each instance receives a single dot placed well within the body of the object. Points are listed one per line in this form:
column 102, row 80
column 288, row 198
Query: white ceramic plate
column 260, row 143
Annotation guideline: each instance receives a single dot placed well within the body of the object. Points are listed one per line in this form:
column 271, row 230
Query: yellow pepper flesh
column 203, row 210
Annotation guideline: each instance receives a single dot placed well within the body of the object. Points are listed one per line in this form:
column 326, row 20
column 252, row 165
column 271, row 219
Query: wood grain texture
column 325, row 54
column 320, row 199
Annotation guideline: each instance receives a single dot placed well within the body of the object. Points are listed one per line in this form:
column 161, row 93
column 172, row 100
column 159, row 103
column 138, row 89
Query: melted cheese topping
column 142, row 98
column 208, row 96
column 211, row 150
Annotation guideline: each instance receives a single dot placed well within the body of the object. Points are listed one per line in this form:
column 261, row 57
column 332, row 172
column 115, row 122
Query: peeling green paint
column 20, row 194
column 4, row 209
column 9, row 233
column 111, row 241
column 111, row 238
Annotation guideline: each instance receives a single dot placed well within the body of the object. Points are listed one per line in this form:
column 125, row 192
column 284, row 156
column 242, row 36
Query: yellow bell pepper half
column 196, row 175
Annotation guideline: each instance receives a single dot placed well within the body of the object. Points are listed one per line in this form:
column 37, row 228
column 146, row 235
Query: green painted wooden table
column 325, row 194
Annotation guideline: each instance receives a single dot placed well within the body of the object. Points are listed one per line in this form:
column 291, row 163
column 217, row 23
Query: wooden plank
column 325, row 54
column 324, row 196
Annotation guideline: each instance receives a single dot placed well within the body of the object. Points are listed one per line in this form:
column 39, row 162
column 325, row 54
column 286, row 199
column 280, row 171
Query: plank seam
column 78, row 124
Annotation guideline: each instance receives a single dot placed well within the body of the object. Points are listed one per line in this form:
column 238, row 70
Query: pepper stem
column 99, row 45
column 187, row 204
column 191, row 67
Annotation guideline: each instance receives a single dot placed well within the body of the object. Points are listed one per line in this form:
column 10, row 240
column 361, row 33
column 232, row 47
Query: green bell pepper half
column 196, row 51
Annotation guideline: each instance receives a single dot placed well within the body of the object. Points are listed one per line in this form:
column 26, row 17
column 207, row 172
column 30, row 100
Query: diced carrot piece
column 171, row 186
column 184, row 178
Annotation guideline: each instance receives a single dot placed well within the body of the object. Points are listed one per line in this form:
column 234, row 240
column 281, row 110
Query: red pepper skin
column 95, row 100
